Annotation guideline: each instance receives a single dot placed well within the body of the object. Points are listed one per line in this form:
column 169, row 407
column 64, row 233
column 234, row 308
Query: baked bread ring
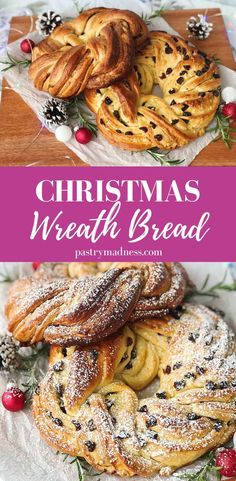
column 86, row 404
column 94, row 50
column 131, row 116
column 71, row 312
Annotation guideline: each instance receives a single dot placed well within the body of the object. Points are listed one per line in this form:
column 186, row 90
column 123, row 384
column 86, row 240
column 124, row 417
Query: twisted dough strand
column 70, row 312
column 94, row 50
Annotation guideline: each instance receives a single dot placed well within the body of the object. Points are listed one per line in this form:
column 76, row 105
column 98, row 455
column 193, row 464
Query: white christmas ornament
column 63, row 133
column 229, row 94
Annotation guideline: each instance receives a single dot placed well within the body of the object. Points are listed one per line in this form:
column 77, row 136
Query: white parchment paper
column 99, row 152
column 23, row 454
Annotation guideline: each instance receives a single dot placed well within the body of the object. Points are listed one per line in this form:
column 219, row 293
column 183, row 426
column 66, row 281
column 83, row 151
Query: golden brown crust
column 130, row 116
column 69, row 312
column 94, row 50
column 72, row 311
column 86, row 405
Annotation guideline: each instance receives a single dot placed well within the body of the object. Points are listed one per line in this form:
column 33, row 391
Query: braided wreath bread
column 131, row 116
column 93, row 50
column 70, row 312
column 86, row 404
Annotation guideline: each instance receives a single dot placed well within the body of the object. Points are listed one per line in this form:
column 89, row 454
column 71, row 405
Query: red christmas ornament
column 83, row 135
column 13, row 399
column 229, row 110
column 27, row 45
column 36, row 265
column 226, row 459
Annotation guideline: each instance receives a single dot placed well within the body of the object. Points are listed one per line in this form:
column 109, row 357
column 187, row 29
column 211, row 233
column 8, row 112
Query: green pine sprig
column 14, row 62
column 155, row 14
column 4, row 278
column 77, row 112
column 163, row 158
column 223, row 129
column 167, row 5
column 31, row 369
column 216, row 59
column 209, row 471
column 212, row 291
column 82, row 466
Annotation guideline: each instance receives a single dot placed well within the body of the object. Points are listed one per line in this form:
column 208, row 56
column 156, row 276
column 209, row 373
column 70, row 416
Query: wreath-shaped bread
column 87, row 406
column 93, row 50
column 131, row 116
column 69, row 312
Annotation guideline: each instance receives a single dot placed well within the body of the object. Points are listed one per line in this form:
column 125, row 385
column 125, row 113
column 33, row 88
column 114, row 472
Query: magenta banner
column 117, row 214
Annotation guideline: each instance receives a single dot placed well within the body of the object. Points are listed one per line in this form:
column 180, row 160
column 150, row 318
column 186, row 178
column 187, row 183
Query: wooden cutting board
column 19, row 125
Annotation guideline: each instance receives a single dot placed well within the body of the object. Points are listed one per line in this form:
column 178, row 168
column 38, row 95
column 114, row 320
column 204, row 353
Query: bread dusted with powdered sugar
column 87, row 405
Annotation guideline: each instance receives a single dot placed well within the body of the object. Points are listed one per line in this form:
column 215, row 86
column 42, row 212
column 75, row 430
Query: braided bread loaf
column 132, row 117
column 70, row 312
column 84, row 405
column 94, row 50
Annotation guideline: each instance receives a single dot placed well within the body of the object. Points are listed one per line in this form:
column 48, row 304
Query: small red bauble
column 83, row 135
column 27, row 45
column 36, row 265
column 226, row 459
column 229, row 110
column 13, row 399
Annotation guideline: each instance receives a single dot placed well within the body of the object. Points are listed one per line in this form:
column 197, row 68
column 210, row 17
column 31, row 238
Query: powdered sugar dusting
column 69, row 312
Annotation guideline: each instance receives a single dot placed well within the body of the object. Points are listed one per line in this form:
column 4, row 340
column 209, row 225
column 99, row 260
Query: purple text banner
column 118, row 214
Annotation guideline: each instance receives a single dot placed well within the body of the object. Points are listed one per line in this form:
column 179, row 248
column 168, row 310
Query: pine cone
column 9, row 358
column 55, row 112
column 199, row 28
column 47, row 22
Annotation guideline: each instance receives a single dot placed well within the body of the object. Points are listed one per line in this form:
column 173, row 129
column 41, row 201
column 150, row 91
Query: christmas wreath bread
column 131, row 116
column 94, row 50
column 112, row 333
column 110, row 55
column 69, row 312
column 86, row 404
